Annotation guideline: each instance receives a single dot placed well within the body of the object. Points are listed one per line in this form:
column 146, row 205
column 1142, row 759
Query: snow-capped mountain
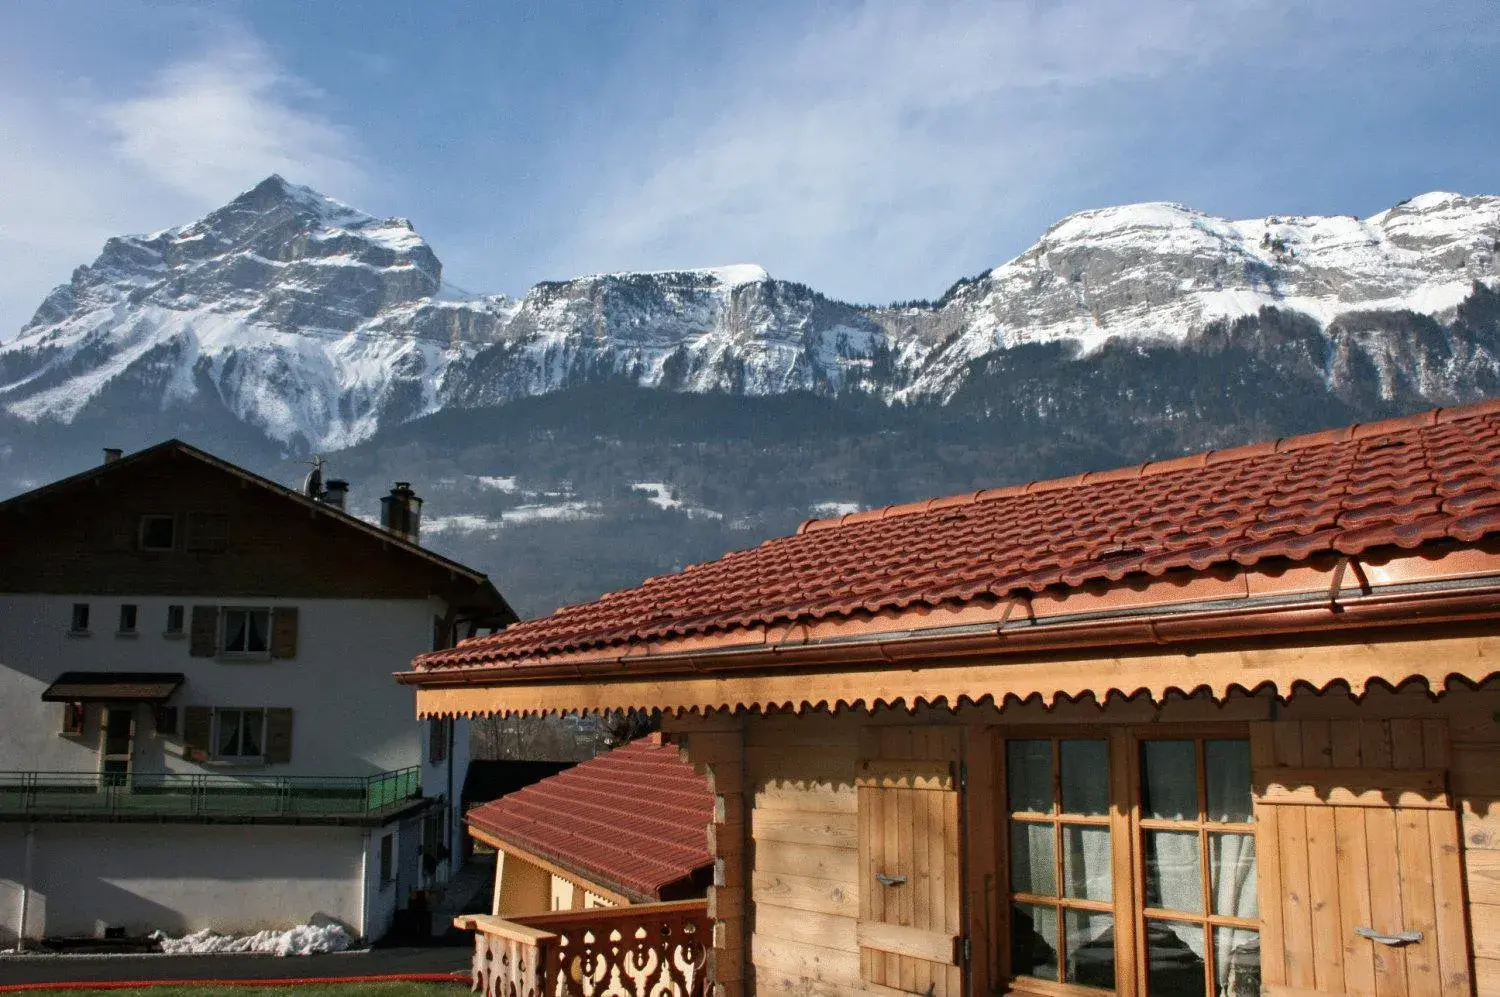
column 317, row 325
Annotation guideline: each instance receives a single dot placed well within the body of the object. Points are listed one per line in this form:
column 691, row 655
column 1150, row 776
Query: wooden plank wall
column 788, row 883
column 804, row 828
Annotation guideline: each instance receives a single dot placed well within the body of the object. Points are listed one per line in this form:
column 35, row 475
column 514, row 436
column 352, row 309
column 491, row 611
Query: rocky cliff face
column 314, row 326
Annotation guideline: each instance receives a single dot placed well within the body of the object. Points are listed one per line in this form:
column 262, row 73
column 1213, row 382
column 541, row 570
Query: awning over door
column 140, row 687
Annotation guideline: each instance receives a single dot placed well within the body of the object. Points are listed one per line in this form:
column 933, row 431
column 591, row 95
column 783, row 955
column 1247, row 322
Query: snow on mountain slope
column 318, row 324
column 1164, row 271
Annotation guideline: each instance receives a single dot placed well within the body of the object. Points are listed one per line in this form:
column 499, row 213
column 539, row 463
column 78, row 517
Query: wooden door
column 1360, row 873
column 910, row 926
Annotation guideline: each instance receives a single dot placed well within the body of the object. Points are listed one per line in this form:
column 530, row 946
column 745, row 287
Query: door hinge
column 963, row 776
column 967, row 950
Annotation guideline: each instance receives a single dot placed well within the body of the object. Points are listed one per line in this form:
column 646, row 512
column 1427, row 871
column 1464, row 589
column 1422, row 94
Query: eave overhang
column 1159, row 636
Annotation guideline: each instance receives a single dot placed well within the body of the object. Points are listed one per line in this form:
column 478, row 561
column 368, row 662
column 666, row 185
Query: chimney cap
column 112, row 454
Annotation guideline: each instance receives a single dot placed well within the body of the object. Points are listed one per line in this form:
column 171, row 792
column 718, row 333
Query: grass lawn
column 397, row 989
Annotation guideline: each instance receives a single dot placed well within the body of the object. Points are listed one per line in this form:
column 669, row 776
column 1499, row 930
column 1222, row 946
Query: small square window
column 127, row 618
column 72, row 718
column 80, row 623
column 174, row 619
column 158, row 532
column 246, row 631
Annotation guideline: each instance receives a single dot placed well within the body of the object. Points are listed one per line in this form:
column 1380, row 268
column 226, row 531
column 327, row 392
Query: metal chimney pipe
column 401, row 512
column 335, row 491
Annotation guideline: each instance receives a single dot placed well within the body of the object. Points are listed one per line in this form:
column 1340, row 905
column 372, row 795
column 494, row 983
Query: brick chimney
column 112, row 454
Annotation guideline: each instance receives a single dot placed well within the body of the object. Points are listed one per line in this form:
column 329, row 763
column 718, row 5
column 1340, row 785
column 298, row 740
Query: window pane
column 1174, row 960
column 1085, row 777
column 1170, row 780
column 1086, row 863
column 1028, row 775
column 1231, row 857
column 229, row 732
column 1227, row 772
column 1033, row 940
column 1091, row 948
column 1173, row 879
column 1033, row 862
column 1237, row 962
column 254, row 723
column 234, row 630
column 260, row 625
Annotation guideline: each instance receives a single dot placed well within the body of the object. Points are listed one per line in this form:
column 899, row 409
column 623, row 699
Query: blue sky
column 876, row 151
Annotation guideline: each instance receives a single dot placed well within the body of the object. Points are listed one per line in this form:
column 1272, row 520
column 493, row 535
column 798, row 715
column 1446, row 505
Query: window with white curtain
column 1061, row 876
column 1197, row 845
column 1191, row 905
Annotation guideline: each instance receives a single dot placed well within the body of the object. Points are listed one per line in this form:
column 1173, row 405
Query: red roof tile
column 1404, row 482
column 635, row 819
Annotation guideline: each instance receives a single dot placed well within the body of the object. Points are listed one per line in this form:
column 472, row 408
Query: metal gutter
column 1453, row 600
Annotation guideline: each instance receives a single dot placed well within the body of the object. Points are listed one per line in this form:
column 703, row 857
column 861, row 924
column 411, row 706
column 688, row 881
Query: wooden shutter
column 910, row 929
column 284, row 632
column 197, row 732
column 204, row 638
column 1355, row 830
column 278, row 736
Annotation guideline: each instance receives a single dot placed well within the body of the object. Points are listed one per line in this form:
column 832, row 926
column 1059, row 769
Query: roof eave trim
column 1458, row 600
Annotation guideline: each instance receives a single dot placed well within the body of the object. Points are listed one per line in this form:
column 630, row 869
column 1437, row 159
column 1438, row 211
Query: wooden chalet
column 1219, row 725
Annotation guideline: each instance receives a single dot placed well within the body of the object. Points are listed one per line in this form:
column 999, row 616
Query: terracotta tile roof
column 1401, row 483
column 635, row 819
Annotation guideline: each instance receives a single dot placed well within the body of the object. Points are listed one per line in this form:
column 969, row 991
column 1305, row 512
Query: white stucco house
column 198, row 728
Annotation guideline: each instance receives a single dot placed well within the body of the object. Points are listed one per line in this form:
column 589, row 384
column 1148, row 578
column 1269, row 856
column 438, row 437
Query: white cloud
column 78, row 167
column 894, row 138
column 220, row 122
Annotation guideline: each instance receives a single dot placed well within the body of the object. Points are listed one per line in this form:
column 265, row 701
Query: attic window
column 158, row 532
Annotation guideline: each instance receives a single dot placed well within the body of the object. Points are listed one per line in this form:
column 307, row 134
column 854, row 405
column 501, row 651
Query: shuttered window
column 910, row 928
column 234, row 734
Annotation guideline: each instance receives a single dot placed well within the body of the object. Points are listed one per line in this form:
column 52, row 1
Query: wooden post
column 715, row 746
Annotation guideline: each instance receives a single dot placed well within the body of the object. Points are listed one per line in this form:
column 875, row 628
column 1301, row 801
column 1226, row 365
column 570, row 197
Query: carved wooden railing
column 646, row 950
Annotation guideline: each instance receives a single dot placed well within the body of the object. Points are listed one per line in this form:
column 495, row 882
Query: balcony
column 207, row 797
column 647, row 950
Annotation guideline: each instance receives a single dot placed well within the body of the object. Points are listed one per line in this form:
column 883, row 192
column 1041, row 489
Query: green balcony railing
column 191, row 795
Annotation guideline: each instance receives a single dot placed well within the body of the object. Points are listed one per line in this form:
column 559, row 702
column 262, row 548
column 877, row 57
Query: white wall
column 351, row 717
column 179, row 877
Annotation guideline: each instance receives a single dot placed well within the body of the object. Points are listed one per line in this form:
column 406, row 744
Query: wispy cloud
column 228, row 118
column 79, row 166
column 892, row 139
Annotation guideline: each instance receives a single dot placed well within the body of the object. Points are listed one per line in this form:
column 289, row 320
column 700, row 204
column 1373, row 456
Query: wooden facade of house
column 1228, row 725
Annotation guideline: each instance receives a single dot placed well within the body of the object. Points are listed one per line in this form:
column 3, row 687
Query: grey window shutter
column 197, row 732
column 284, row 632
column 278, row 736
column 205, row 633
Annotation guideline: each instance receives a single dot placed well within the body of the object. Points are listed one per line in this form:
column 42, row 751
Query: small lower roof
column 634, row 820
column 139, row 687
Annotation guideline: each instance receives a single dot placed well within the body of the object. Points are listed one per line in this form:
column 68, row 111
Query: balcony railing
column 195, row 795
column 648, row 950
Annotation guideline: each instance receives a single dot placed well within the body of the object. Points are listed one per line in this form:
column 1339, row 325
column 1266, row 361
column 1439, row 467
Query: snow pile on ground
column 304, row 939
